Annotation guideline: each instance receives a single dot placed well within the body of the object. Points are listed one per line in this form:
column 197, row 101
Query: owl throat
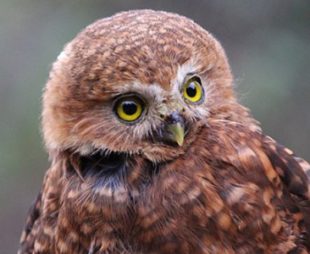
column 116, row 170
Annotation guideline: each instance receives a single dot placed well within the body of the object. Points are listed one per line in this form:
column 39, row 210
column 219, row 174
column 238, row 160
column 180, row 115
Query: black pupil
column 130, row 107
column 191, row 90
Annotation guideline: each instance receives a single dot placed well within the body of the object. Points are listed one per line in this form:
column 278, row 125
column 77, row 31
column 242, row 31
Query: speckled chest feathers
column 152, row 153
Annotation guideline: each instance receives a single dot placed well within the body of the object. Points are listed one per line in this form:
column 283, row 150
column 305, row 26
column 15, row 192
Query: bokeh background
column 267, row 42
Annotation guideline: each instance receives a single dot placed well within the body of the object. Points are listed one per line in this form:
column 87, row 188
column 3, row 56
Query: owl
column 151, row 152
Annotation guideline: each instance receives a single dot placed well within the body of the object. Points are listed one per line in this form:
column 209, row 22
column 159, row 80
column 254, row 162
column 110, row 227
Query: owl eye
column 129, row 109
column 192, row 90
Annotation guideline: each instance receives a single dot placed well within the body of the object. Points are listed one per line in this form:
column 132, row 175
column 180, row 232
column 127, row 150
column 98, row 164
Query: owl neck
column 113, row 168
column 107, row 165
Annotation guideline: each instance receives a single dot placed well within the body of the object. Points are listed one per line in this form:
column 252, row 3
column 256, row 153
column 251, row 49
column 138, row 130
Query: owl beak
column 176, row 133
column 175, row 128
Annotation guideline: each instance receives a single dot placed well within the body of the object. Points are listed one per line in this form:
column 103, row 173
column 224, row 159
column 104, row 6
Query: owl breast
column 200, row 203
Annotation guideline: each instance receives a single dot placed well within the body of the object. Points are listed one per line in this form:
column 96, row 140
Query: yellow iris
column 192, row 90
column 129, row 109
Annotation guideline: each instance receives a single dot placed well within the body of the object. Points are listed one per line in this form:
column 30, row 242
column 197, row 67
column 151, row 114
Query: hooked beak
column 176, row 133
column 175, row 128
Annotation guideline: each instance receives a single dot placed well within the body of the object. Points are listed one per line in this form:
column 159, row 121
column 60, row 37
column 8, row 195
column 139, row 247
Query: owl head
column 140, row 82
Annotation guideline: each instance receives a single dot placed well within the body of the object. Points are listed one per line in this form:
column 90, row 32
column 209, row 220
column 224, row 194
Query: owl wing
column 295, row 175
column 258, row 159
column 28, row 235
column 43, row 215
column 294, row 171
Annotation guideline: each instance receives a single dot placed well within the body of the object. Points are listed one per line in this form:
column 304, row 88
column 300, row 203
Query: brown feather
column 120, row 188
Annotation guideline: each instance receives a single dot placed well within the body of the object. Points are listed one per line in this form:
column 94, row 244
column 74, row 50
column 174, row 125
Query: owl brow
column 204, row 71
column 187, row 77
column 129, row 88
column 144, row 91
column 190, row 75
column 118, row 93
column 186, row 70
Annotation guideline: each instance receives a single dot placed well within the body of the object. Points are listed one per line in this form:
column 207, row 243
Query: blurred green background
column 267, row 42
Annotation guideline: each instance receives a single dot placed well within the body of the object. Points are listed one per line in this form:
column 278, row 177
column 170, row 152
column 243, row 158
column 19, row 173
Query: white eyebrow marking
column 183, row 70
